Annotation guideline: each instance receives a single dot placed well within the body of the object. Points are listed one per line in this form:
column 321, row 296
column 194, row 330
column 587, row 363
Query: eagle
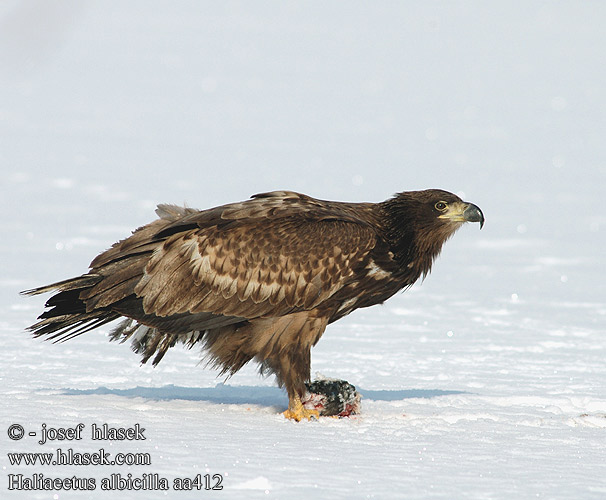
column 254, row 280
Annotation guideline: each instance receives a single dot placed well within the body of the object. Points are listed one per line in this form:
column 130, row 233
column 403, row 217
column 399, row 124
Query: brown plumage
column 259, row 279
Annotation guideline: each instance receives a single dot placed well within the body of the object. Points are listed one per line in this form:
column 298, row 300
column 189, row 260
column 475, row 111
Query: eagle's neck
column 414, row 242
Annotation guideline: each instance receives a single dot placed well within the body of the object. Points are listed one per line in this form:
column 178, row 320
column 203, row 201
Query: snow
column 487, row 380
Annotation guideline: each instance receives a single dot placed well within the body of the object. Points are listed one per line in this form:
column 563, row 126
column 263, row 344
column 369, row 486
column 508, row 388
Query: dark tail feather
column 68, row 317
column 62, row 328
column 84, row 281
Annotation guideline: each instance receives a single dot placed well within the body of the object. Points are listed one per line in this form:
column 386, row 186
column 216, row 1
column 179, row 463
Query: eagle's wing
column 251, row 268
column 277, row 253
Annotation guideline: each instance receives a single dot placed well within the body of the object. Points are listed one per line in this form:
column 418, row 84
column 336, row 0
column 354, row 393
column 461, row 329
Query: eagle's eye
column 441, row 206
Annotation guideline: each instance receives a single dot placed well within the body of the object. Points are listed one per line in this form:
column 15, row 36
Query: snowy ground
column 486, row 381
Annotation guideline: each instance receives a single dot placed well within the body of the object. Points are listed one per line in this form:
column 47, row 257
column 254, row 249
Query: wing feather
column 253, row 269
column 278, row 253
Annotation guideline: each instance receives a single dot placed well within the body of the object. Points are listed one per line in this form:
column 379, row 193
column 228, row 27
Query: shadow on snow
column 228, row 394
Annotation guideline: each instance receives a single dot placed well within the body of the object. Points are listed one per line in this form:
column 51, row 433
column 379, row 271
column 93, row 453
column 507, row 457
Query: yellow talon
column 296, row 411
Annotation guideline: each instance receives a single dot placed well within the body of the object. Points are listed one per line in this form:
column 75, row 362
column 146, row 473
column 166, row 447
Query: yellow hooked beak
column 463, row 212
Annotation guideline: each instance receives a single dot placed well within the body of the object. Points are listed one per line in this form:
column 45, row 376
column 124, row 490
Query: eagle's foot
column 297, row 412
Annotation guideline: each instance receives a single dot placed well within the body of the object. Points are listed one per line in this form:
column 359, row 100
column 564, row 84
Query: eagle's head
column 444, row 207
column 419, row 222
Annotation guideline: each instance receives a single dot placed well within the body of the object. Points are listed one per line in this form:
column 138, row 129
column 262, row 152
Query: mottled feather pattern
column 252, row 272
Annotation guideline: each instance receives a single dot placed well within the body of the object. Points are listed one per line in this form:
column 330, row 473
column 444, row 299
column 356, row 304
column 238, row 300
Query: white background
column 488, row 380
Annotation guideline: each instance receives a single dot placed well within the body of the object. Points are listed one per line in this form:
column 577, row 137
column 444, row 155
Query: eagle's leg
column 283, row 346
column 296, row 411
